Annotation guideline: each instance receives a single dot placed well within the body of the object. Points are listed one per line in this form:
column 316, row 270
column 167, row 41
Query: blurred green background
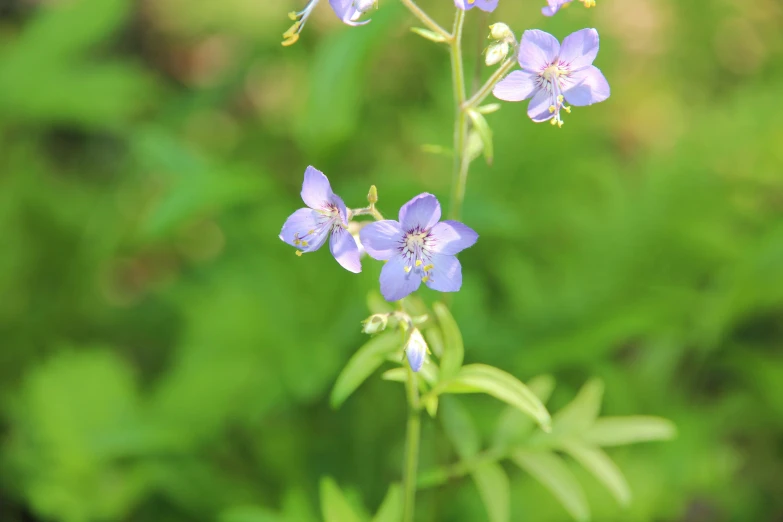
column 165, row 357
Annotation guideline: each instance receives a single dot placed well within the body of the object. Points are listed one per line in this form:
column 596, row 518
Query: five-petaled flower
column 484, row 5
column 553, row 74
column 349, row 11
column 418, row 248
column 555, row 5
column 307, row 228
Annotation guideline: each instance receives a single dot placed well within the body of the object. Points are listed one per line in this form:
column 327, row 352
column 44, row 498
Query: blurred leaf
column 248, row 514
column 297, row 507
column 480, row 378
column 579, row 414
column 602, row 467
column 474, row 147
column 453, row 349
column 362, row 364
column 431, row 405
column 484, row 132
column 493, row 485
column 553, row 473
column 434, row 339
column 617, row 431
column 513, row 425
column 391, row 508
column 334, row 506
column 377, row 304
column 459, row 428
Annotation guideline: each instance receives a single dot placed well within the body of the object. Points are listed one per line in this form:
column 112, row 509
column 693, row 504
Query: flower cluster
column 419, row 248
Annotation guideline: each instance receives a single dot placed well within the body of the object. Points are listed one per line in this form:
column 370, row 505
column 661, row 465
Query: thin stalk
column 460, row 175
column 486, row 89
column 412, row 438
column 431, row 24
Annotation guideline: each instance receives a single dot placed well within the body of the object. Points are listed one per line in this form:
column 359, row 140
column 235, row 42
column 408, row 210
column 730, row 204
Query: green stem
column 460, row 175
column 411, row 447
column 486, row 89
column 431, row 24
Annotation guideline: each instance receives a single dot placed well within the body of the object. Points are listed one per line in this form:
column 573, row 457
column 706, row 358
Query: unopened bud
column 500, row 31
column 416, row 350
column 372, row 197
column 496, row 53
column 375, row 323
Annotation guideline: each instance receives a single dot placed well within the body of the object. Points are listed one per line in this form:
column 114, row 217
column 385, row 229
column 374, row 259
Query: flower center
column 553, row 84
column 416, row 252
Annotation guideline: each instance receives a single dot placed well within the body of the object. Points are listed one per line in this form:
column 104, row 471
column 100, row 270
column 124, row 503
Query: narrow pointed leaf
column 597, row 462
column 513, row 425
column 364, row 362
column 334, row 506
column 551, row 471
column 484, row 132
column 431, row 405
column 391, row 507
column 480, row 378
column 579, row 414
column 453, row 349
column 617, row 431
column 493, row 485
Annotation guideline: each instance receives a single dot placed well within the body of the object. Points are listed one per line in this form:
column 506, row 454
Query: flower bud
column 372, row 196
column 416, row 350
column 500, row 31
column 496, row 53
column 375, row 323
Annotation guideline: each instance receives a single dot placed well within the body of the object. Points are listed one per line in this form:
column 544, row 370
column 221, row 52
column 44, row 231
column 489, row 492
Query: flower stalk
column 412, row 438
column 460, row 171
column 431, row 24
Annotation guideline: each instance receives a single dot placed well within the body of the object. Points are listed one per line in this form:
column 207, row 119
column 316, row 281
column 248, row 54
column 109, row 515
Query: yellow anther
column 425, row 279
column 290, row 41
column 559, row 123
column 560, row 99
column 553, row 122
column 418, row 262
column 292, row 31
column 567, row 109
column 429, row 267
column 303, row 243
column 293, row 16
column 299, row 253
column 310, row 232
column 407, row 269
column 552, row 109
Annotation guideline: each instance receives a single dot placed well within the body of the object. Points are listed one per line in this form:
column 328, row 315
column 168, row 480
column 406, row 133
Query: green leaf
column 489, row 108
column 579, row 414
column 366, row 360
column 513, row 425
column 334, row 506
column 597, row 462
column 391, row 507
column 428, row 371
column 453, row 349
column 297, row 507
column 377, row 304
column 434, row 339
column 617, row 431
column 248, row 514
column 474, row 146
column 551, row 471
column 429, row 35
column 459, row 428
column 484, row 132
column 493, row 485
column 480, row 378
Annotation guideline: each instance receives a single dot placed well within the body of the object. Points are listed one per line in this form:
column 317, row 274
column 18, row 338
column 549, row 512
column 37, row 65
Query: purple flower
column 484, row 5
column 349, row 11
column 555, row 5
column 307, row 228
column 418, row 249
column 553, row 74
